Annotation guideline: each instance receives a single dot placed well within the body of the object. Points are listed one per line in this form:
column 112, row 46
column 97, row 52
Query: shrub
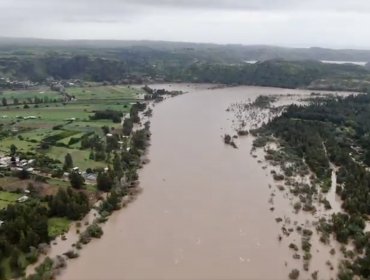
column 294, row 274
column 94, row 230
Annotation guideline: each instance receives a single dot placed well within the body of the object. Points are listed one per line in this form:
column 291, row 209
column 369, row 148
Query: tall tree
column 76, row 180
column 117, row 166
column 104, row 181
column 4, row 101
column 68, row 162
column 127, row 126
column 13, row 149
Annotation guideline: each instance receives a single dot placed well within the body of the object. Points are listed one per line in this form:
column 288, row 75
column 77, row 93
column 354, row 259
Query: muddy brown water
column 204, row 210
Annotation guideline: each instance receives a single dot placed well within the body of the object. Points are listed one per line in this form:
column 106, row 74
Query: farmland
column 31, row 125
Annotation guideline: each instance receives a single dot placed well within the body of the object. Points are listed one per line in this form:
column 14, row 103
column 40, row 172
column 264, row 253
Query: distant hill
column 150, row 61
column 208, row 52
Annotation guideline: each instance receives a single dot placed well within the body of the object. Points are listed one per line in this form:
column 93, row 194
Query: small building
column 23, row 199
column 30, row 117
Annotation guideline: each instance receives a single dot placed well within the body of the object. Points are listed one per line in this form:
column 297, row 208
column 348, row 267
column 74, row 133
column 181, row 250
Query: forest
column 335, row 130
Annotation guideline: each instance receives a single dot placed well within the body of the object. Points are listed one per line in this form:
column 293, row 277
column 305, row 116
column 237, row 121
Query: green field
column 104, row 92
column 31, row 125
column 80, row 157
column 23, row 146
column 47, row 116
column 43, row 93
column 58, row 226
column 7, row 198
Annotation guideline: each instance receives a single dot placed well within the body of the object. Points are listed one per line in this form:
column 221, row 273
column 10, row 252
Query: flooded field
column 205, row 210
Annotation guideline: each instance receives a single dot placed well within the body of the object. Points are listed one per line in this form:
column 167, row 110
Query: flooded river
column 204, row 212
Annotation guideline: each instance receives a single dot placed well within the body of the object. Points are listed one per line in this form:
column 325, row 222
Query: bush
column 293, row 246
column 306, row 245
column 23, row 174
column 294, row 274
column 95, row 231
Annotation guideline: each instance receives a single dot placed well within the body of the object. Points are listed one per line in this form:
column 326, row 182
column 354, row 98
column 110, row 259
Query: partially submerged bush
column 294, row 274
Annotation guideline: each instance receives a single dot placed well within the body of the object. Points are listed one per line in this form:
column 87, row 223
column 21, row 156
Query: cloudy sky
column 326, row 23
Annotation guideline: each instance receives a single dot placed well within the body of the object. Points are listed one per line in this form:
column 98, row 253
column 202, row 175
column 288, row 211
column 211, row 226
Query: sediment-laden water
column 204, row 212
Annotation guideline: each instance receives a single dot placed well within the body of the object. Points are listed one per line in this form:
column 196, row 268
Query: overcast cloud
column 327, row 23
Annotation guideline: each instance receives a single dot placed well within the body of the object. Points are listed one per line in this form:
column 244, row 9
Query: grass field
column 23, row 146
column 7, row 198
column 66, row 140
column 58, row 183
column 43, row 93
column 58, row 226
column 104, row 92
column 48, row 116
column 80, row 157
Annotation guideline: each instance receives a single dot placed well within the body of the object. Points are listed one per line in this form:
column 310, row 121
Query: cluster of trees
column 127, row 126
column 100, row 150
column 158, row 94
column 277, row 73
column 96, row 145
column 104, row 181
column 90, row 141
column 69, row 203
column 128, row 123
column 25, row 227
column 134, row 111
column 140, row 139
column 115, row 116
column 307, row 140
column 35, row 100
column 263, row 101
column 335, row 130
